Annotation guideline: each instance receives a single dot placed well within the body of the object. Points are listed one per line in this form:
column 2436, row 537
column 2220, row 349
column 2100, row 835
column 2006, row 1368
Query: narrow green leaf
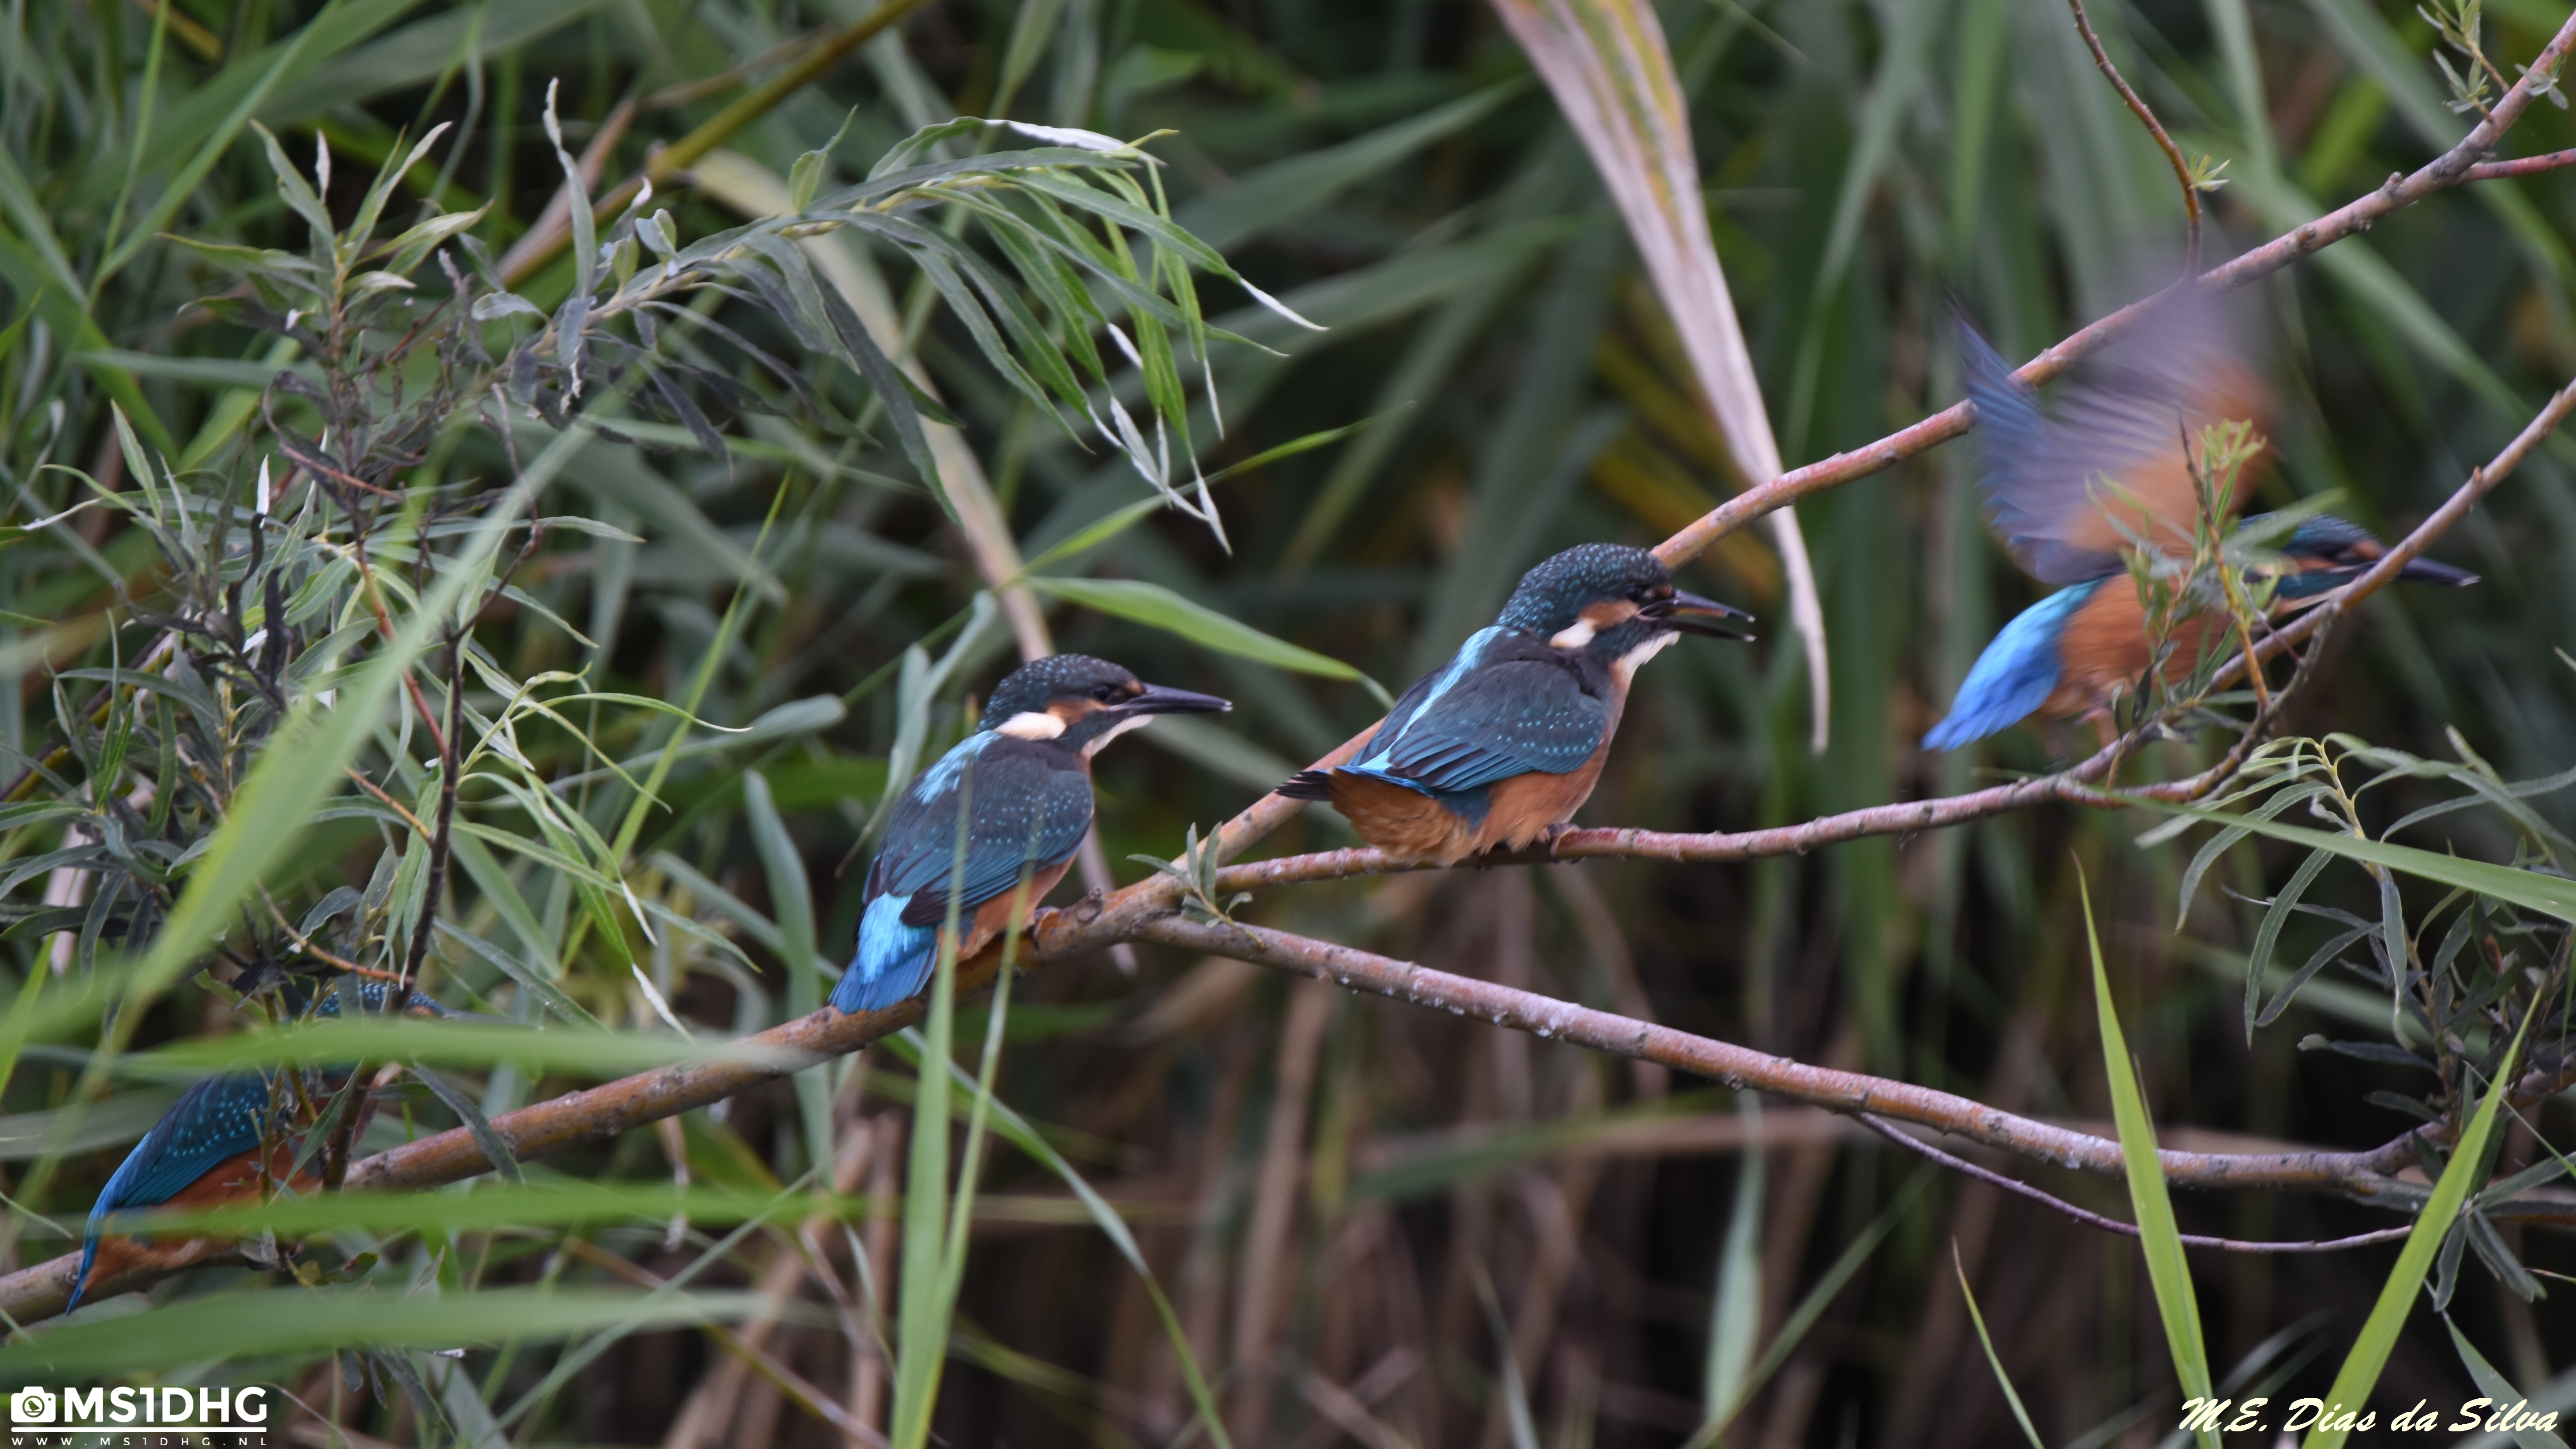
column 2267, row 936
column 1794, row 1329
column 225, row 1326
column 1735, row 1312
column 1160, row 608
column 462, row 1043
column 791, row 897
column 496, row 1148
column 1986, row 1340
column 2360, row 1372
column 2548, row 894
column 2168, row 1271
column 2497, row 1387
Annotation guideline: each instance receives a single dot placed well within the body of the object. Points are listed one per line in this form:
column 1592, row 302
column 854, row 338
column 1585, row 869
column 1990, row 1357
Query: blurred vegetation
column 1351, row 1206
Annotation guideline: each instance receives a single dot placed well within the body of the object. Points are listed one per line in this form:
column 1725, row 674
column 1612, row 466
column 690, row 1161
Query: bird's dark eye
column 1103, row 692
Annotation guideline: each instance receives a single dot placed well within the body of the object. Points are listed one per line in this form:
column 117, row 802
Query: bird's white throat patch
column 1572, row 636
column 1031, row 724
column 1132, row 721
column 1628, row 662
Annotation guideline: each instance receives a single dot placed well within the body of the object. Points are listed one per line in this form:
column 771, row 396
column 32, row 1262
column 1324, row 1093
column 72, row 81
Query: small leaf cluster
column 2487, row 964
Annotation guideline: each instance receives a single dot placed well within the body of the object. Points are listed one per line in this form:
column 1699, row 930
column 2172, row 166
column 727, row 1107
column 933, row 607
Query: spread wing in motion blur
column 2063, row 479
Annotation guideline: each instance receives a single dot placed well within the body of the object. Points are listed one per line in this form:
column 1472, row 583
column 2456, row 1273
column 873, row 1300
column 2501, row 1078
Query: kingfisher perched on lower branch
column 206, row 1149
column 1020, row 788
column 2113, row 471
column 1500, row 746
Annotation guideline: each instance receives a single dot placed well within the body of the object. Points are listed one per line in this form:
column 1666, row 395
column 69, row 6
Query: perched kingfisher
column 2068, row 655
column 1500, row 746
column 1021, row 786
column 205, row 1149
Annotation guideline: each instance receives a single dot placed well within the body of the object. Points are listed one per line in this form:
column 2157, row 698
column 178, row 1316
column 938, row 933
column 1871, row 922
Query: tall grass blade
column 926, row 1301
column 2498, row 1388
column 791, row 900
column 1985, row 1340
column 1735, row 1314
column 2360, row 1372
column 2168, row 1271
column 1794, row 1328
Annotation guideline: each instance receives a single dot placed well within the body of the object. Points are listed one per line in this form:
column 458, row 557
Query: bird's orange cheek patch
column 1591, row 621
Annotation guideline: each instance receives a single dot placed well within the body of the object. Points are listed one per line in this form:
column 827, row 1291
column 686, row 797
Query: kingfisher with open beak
column 2109, row 472
column 1499, row 747
column 1018, row 791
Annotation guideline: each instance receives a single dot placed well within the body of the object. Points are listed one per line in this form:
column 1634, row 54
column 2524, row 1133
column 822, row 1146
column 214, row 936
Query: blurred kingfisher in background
column 1500, row 746
column 1021, row 787
column 205, row 1149
column 2043, row 486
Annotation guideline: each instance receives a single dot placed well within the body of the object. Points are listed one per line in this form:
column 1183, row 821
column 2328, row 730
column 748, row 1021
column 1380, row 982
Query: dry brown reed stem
column 2451, row 168
column 2155, row 128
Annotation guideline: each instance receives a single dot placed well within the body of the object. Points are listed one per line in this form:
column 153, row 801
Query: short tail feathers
column 893, row 960
column 1307, row 785
column 89, row 1257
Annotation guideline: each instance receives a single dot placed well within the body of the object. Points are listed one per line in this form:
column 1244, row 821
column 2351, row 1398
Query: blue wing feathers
column 2016, row 674
column 1507, row 717
column 894, row 959
column 215, row 1120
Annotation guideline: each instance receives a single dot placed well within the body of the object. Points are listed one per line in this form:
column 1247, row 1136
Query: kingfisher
column 1020, row 785
column 205, row 1149
column 2069, row 655
column 1500, row 746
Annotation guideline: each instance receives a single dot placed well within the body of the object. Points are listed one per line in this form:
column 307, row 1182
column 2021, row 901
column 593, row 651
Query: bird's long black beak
column 1692, row 614
column 2425, row 571
column 1158, row 699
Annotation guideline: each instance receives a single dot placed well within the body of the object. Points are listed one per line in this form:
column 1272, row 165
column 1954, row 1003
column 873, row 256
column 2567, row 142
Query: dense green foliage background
column 1324, row 1183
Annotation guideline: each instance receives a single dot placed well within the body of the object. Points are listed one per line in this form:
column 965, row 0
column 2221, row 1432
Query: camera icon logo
column 33, row 1406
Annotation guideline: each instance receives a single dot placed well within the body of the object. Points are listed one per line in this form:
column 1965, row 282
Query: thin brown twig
column 2523, row 166
column 2155, row 128
column 372, row 788
column 2093, row 1219
column 450, row 767
column 314, row 950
